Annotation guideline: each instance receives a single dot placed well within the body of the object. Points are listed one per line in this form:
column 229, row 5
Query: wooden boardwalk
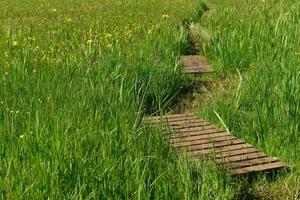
column 200, row 138
column 192, row 64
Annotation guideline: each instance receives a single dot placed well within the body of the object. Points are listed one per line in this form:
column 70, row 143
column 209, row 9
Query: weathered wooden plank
column 251, row 162
column 198, row 128
column 186, row 122
column 220, row 149
column 190, row 125
column 213, row 145
column 193, row 64
column 204, row 141
column 240, row 157
column 258, row 168
column 236, row 153
column 195, row 133
column 200, row 138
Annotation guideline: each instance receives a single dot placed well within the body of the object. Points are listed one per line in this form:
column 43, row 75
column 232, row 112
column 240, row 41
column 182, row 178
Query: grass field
column 77, row 76
column 256, row 44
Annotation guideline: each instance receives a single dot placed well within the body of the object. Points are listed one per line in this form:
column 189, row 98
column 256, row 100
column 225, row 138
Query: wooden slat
column 220, row 149
column 194, row 67
column 193, row 64
column 204, row 141
column 222, row 157
column 251, row 162
column 216, row 144
column 195, row 133
column 240, row 157
column 236, row 153
column 190, row 125
column 200, row 138
column 198, row 128
column 258, row 168
column 199, row 70
column 185, row 122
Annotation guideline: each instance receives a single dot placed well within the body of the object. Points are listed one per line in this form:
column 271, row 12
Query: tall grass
column 76, row 77
column 256, row 43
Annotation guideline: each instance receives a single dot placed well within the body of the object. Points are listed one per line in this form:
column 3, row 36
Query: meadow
column 77, row 77
column 255, row 45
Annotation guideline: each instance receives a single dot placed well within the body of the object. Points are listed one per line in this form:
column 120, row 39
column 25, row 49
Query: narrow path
column 198, row 137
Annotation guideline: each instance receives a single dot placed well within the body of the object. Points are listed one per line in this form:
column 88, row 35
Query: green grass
column 77, row 76
column 261, row 101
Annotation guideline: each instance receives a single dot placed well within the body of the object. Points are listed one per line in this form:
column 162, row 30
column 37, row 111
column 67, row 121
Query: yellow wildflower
column 89, row 41
column 108, row 35
column 15, row 43
column 165, row 16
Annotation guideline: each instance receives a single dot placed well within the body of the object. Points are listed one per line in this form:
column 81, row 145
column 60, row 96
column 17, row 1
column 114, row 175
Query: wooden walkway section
column 200, row 138
column 194, row 65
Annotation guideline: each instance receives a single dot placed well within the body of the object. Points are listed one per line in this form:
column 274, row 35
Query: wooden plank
column 191, row 125
column 240, row 157
column 186, row 122
column 183, row 126
column 258, row 168
column 193, row 64
column 195, row 133
column 236, row 153
column 196, row 71
column 213, row 145
column 214, row 150
column 193, row 61
column 198, row 137
column 204, row 141
column 222, row 156
column 251, row 162
column 195, row 67
column 199, row 128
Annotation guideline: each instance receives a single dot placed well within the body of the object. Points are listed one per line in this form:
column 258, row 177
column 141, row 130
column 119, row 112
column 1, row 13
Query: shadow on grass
column 247, row 189
column 186, row 45
column 192, row 95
